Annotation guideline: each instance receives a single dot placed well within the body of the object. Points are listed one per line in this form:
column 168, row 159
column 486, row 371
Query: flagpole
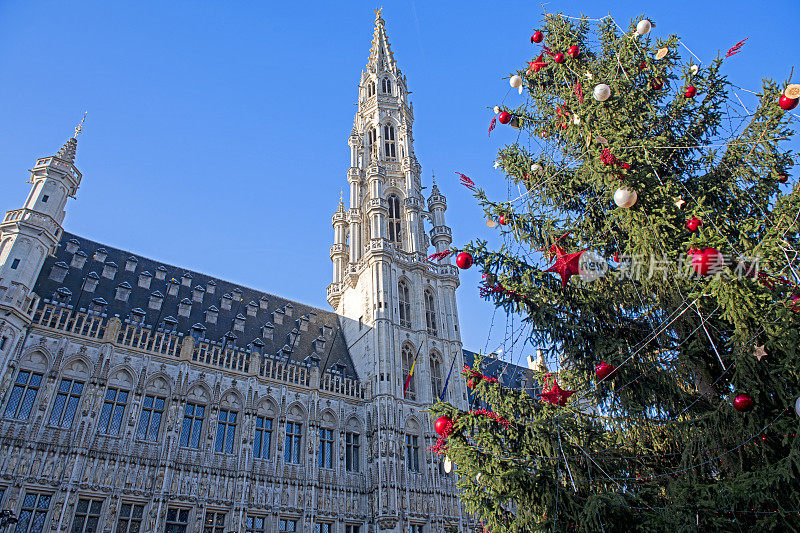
column 413, row 364
column 447, row 381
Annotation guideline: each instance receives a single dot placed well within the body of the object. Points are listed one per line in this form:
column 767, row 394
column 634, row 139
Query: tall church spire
column 380, row 53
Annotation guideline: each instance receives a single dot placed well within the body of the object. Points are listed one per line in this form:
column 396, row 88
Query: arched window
column 430, row 313
column 389, row 149
column 387, row 86
column 372, row 138
column 404, row 301
column 395, row 227
column 408, row 359
column 436, row 375
column 370, row 89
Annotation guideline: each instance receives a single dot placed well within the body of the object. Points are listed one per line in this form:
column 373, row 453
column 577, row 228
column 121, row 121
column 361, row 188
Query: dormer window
column 156, row 299
column 389, row 148
column 172, row 287
column 91, row 282
column 161, row 273
column 238, row 322
column 197, row 293
column 263, row 302
column 226, row 302
column 289, row 310
column 237, row 294
column 211, row 314
column 72, row 246
column 211, row 286
column 58, row 272
column 170, row 323
column 62, row 295
column 98, row 305
column 137, row 316
column 198, row 331
column 267, row 331
column 252, row 309
column 100, row 255
column 130, row 264
column 144, row 279
column 109, row 270
column 386, row 86
column 186, row 280
column 78, row 260
column 123, row 291
column 395, row 226
column 185, row 307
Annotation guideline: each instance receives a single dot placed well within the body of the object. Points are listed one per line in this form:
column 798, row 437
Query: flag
column 411, row 372
column 447, row 381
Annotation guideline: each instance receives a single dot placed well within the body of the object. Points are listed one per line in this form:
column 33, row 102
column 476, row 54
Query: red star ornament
column 556, row 395
column 566, row 264
column 536, row 65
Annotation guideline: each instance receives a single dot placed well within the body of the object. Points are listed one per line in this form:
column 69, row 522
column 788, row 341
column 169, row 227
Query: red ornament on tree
column 787, row 103
column 502, row 220
column 473, row 382
column 566, row 264
column 657, row 83
column 603, row 370
column 443, row 425
column 743, row 402
column 690, row 91
column 464, row 260
column 559, row 58
column 573, row 51
column 706, row 261
column 783, row 178
column 537, row 37
column 556, row 395
column 504, row 117
column 693, row 224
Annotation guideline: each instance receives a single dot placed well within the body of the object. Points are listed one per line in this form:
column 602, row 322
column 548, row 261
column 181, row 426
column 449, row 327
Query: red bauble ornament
column 443, row 425
column 559, row 58
column 690, row 91
column 783, row 178
column 693, row 223
column 603, row 369
column 504, row 117
column 537, row 37
column 787, row 103
column 743, row 402
column 464, row 260
column 657, row 83
column 502, row 220
column 707, row 261
column 573, row 51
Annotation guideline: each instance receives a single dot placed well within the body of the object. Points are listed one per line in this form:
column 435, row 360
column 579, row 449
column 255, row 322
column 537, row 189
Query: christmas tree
column 673, row 405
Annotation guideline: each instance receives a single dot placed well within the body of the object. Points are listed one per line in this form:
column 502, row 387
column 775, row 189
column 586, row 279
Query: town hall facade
column 137, row 396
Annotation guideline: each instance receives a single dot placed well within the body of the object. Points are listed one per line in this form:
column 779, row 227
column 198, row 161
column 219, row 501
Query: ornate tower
column 397, row 306
column 29, row 234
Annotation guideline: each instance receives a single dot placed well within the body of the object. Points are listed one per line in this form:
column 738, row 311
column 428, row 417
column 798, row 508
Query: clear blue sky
column 217, row 131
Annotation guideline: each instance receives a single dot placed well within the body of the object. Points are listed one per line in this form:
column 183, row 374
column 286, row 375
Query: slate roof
column 284, row 315
column 508, row 374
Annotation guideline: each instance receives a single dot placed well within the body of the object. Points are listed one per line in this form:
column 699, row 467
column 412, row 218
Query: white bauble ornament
column 797, row 407
column 515, row 80
column 496, row 109
column 602, row 92
column 592, row 266
column 448, row 465
column 625, row 197
column 478, row 478
column 536, row 168
column 644, row 27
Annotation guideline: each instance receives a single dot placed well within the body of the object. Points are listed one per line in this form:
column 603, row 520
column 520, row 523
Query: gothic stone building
column 137, row 396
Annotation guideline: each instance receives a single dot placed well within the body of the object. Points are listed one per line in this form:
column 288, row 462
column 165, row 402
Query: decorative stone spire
column 67, row 152
column 380, row 53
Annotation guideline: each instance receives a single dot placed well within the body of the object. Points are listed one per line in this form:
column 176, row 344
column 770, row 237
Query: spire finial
column 378, row 13
column 79, row 127
column 433, row 175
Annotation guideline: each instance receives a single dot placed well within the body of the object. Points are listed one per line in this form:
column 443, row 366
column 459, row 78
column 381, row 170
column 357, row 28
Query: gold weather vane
column 79, row 127
column 341, row 195
column 378, row 12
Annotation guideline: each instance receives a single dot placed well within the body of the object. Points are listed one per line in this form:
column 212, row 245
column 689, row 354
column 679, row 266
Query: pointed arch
column 389, row 145
column 386, row 86
column 404, row 303
column 394, row 220
column 436, row 374
column 430, row 312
